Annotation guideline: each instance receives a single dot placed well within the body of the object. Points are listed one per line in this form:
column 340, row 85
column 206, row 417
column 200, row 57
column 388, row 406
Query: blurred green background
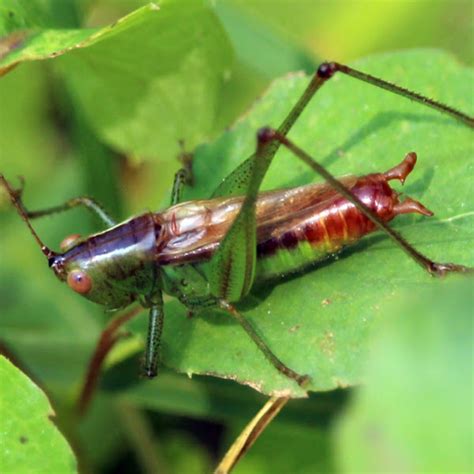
column 69, row 134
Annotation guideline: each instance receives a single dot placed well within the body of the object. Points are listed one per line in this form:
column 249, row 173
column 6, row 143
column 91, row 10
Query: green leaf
column 158, row 73
column 35, row 42
column 29, row 440
column 158, row 84
column 414, row 413
column 319, row 322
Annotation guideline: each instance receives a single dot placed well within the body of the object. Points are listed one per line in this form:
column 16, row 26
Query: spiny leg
column 15, row 195
column 199, row 304
column 267, row 135
column 155, row 329
column 109, row 337
column 302, row 380
column 330, row 68
column 184, row 176
column 180, row 181
column 85, row 201
column 236, row 183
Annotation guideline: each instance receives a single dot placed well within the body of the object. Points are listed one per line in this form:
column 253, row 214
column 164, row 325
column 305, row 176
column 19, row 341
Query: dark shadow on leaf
column 421, row 184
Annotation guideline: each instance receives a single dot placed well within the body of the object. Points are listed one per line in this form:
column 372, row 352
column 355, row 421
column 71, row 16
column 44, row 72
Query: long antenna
column 15, row 198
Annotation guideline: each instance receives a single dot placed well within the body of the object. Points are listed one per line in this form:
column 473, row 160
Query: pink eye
column 69, row 242
column 79, row 281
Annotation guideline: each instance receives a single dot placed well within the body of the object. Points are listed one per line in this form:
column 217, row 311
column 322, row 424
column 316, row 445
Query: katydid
column 209, row 253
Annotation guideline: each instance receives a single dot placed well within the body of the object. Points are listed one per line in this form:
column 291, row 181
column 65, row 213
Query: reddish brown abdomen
column 322, row 229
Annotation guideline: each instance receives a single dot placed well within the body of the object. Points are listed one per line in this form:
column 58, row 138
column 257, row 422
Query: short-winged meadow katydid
column 209, row 253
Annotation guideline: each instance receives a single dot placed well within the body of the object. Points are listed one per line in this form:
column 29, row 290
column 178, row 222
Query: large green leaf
column 158, row 84
column 29, row 441
column 319, row 322
column 145, row 82
column 415, row 413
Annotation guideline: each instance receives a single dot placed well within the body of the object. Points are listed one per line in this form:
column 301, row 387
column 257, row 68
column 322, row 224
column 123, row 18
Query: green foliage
column 134, row 88
column 148, row 89
column 28, row 438
column 411, row 414
column 320, row 321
